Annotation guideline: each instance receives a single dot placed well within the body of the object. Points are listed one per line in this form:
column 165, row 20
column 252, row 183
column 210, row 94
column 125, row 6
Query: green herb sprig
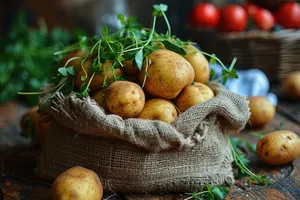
column 210, row 193
column 241, row 162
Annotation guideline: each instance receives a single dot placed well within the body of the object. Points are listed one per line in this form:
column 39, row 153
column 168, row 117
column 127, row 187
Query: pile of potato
column 167, row 84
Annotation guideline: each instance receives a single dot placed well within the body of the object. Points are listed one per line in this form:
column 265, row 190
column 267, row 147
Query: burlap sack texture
column 137, row 155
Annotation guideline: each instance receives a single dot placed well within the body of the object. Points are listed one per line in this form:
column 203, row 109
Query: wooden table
column 17, row 163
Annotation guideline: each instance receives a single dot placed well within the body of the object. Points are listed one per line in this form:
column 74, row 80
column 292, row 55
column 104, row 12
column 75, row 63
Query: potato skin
column 98, row 80
column 168, row 73
column 279, row 147
column 291, row 86
column 77, row 183
column 159, row 109
column 262, row 111
column 199, row 63
column 124, row 98
column 192, row 95
column 99, row 97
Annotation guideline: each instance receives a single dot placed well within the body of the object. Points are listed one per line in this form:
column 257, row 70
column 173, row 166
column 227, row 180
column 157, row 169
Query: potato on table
column 262, row 111
column 291, row 85
column 77, row 183
column 279, row 147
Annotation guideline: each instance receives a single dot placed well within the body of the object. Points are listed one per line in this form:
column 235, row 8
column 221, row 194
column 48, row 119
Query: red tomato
column 233, row 18
column 251, row 9
column 205, row 15
column 264, row 19
column 289, row 15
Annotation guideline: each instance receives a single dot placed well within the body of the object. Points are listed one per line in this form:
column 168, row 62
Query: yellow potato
column 99, row 98
column 124, row 98
column 291, row 85
column 159, row 109
column 77, row 183
column 262, row 111
column 199, row 63
column 279, row 147
column 168, row 73
column 192, row 95
column 98, row 79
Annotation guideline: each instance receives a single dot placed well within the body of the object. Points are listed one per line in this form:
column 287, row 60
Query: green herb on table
column 241, row 162
column 209, row 192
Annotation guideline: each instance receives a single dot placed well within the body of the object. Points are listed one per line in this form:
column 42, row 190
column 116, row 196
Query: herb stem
column 168, row 24
column 196, row 194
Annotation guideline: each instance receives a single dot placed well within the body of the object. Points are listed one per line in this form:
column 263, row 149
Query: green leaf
column 84, row 90
column 104, row 31
column 281, row 127
column 163, row 7
column 122, row 19
column 251, row 147
column 147, row 74
column 139, row 59
column 174, row 47
column 212, row 59
column 71, row 70
column 218, row 194
column 212, row 73
column 63, row 71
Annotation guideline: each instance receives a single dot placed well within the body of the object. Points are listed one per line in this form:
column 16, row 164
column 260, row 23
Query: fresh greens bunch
column 26, row 57
column 132, row 42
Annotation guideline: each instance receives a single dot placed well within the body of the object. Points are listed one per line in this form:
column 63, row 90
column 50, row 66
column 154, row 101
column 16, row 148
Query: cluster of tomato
column 236, row 18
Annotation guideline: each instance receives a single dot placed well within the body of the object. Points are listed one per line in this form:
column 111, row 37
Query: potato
column 262, row 111
column 279, row 147
column 159, row 109
column 199, row 63
column 98, row 80
column 124, row 98
column 291, row 85
column 192, row 95
column 99, row 98
column 32, row 125
column 168, row 73
column 128, row 68
column 77, row 183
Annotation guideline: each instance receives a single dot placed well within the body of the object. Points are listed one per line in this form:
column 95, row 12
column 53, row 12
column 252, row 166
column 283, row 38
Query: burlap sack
column 137, row 155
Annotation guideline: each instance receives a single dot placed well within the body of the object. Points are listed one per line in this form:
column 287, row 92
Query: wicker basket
column 276, row 53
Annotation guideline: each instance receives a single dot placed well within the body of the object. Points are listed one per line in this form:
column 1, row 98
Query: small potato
column 262, row 111
column 192, row 95
column 279, row 147
column 99, row 98
column 199, row 63
column 98, row 80
column 159, row 109
column 167, row 74
column 291, row 86
column 124, row 98
column 77, row 183
column 32, row 125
